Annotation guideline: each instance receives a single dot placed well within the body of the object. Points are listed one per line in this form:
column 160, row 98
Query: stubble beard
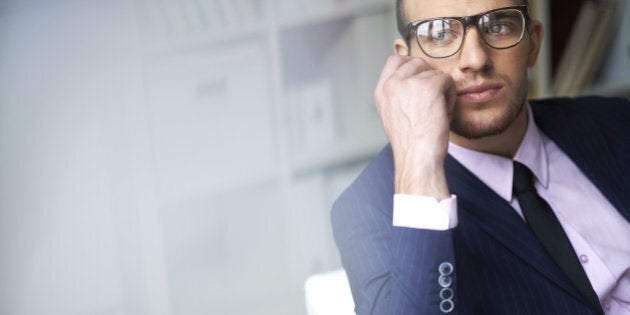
column 473, row 130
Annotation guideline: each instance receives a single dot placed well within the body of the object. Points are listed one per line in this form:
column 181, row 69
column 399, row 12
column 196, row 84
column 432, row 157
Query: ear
column 536, row 33
column 400, row 47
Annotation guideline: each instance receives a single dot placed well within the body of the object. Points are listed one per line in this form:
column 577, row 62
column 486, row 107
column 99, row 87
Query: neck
column 504, row 144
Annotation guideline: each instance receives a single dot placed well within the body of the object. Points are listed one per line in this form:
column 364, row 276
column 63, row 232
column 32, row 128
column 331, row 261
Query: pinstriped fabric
column 593, row 131
column 366, row 238
column 492, row 280
column 500, row 268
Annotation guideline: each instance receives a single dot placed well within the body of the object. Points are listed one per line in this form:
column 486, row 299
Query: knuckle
column 420, row 64
column 419, row 61
column 416, row 79
column 416, row 82
column 377, row 97
column 390, row 84
column 392, row 58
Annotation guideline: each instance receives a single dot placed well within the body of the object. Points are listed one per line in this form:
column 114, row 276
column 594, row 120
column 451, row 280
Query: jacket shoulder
column 374, row 185
column 594, row 105
column 582, row 114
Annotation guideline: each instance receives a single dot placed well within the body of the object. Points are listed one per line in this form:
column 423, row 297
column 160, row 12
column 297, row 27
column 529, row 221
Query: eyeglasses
column 443, row 37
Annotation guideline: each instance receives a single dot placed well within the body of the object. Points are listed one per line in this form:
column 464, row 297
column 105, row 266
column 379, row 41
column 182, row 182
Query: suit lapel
column 495, row 216
column 599, row 149
column 603, row 157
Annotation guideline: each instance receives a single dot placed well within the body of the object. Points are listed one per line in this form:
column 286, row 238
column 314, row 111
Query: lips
column 479, row 92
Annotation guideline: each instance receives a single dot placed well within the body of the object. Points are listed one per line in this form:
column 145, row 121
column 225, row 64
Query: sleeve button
column 447, row 306
column 446, row 269
column 446, row 294
column 445, row 281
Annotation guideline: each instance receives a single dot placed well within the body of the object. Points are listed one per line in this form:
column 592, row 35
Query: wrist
column 421, row 177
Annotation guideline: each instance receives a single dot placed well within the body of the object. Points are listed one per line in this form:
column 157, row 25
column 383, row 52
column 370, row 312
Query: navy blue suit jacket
column 500, row 267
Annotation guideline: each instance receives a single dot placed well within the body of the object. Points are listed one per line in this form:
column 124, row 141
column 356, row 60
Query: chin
column 485, row 122
column 474, row 130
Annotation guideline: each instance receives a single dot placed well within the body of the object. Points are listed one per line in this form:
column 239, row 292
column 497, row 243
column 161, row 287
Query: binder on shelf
column 212, row 13
column 587, row 43
column 193, row 15
column 175, row 18
column 229, row 12
column 614, row 77
column 312, row 117
column 577, row 42
column 245, row 11
column 597, row 47
column 539, row 76
column 151, row 20
column 286, row 8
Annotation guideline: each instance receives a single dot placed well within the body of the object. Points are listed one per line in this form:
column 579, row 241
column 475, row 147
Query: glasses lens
column 502, row 29
column 440, row 37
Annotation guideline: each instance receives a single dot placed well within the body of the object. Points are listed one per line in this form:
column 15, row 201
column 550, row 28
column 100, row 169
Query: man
column 440, row 221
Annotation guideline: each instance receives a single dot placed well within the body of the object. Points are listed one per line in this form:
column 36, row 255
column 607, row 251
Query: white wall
column 121, row 194
column 77, row 196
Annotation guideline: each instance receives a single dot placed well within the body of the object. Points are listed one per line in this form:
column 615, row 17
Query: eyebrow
column 514, row 7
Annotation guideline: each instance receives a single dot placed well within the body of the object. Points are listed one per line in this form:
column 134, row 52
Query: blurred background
column 181, row 156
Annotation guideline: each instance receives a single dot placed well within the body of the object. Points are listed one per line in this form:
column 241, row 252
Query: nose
column 474, row 53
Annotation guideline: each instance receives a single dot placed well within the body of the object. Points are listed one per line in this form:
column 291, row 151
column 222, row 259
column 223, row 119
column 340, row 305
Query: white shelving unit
column 261, row 113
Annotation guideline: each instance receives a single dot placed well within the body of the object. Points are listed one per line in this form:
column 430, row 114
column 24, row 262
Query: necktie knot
column 523, row 180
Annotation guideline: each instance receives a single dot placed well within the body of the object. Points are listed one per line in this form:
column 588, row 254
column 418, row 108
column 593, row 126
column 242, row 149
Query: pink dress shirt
column 599, row 234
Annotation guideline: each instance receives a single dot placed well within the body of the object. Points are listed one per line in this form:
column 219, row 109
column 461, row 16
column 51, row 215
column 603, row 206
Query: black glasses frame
column 467, row 21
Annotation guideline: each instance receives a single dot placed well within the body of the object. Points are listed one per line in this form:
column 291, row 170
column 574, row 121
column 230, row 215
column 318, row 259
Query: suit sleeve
column 392, row 270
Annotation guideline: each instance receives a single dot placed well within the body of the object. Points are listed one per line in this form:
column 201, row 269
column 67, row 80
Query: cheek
column 514, row 67
column 446, row 65
column 521, row 59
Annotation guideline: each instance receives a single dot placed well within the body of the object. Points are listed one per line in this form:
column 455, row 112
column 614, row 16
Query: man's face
column 491, row 83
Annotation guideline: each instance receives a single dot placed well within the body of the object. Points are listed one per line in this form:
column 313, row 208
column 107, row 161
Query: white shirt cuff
column 422, row 212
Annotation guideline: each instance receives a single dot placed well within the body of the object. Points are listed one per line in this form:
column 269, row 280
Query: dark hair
column 401, row 20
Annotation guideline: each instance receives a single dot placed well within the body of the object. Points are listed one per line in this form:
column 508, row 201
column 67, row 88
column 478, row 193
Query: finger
column 445, row 81
column 446, row 84
column 440, row 78
column 412, row 67
column 399, row 68
column 391, row 65
column 451, row 98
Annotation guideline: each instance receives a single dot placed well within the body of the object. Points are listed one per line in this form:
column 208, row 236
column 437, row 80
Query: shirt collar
column 496, row 171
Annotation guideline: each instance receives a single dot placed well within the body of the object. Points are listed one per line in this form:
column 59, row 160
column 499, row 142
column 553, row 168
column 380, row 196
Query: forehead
column 424, row 9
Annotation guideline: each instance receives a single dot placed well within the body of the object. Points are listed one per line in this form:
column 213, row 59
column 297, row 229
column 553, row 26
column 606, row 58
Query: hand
column 415, row 102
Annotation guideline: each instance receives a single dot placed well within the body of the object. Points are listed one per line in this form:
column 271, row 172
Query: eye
column 442, row 36
column 498, row 28
column 441, row 32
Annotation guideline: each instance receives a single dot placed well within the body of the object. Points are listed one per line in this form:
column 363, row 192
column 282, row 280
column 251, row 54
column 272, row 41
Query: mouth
column 479, row 93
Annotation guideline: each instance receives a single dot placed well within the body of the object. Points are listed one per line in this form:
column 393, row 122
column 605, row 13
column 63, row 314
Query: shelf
column 208, row 38
column 339, row 154
column 164, row 39
column 334, row 11
column 177, row 24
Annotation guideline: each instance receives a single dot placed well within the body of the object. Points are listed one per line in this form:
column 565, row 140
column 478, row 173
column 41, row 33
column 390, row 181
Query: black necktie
column 546, row 227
